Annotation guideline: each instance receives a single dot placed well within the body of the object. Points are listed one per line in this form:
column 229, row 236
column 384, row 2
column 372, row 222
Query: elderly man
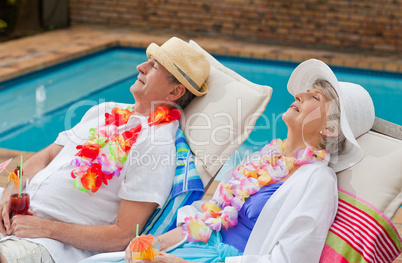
column 88, row 189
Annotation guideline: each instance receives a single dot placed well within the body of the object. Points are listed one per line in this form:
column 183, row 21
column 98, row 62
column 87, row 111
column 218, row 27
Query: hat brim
column 158, row 53
column 302, row 80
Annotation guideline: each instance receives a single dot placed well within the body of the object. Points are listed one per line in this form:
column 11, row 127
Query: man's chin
column 134, row 90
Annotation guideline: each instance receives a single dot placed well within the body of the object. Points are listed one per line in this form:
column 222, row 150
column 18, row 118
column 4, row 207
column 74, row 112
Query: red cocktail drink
column 19, row 204
column 19, row 198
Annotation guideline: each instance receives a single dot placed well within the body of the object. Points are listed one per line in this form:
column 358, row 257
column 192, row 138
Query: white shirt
column 147, row 176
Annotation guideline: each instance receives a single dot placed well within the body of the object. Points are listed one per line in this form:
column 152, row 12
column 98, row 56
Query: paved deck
column 29, row 54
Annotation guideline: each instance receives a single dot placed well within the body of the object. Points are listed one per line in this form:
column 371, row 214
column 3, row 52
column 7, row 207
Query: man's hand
column 5, row 224
column 5, row 217
column 29, row 226
column 33, row 165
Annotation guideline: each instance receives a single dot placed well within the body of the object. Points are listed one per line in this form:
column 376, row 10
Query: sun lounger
column 370, row 193
column 219, row 122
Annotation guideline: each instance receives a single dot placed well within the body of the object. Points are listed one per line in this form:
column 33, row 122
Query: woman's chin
column 286, row 116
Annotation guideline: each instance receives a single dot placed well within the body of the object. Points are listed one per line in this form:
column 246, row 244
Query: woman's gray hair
column 187, row 97
column 331, row 144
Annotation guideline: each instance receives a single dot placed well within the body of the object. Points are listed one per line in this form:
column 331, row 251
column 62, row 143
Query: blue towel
column 187, row 188
column 212, row 252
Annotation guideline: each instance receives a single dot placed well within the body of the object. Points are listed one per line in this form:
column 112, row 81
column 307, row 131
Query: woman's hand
column 127, row 255
column 162, row 258
column 167, row 240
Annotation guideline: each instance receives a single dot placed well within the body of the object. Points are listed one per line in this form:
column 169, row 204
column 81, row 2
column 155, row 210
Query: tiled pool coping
column 29, row 54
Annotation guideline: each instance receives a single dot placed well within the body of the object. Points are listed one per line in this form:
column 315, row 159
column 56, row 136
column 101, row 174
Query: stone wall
column 345, row 25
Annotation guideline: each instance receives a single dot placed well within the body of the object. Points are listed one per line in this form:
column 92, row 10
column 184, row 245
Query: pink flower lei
column 102, row 157
column 271, row 166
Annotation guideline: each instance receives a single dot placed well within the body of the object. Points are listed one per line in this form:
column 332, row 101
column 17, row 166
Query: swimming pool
column 34, row 107
column 36, row 104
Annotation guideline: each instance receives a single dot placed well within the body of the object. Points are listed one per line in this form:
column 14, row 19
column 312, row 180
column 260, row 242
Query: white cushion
column 216, row 124
column 377, row 178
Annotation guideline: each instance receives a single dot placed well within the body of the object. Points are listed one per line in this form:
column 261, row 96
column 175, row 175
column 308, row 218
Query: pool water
column 35, row 107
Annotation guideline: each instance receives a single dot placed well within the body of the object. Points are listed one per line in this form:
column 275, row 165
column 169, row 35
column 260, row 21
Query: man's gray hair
column 187, row 97
column 331, row 144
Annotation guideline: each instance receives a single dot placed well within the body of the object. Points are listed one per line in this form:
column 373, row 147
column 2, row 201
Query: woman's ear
column 330, row 131
column 177, row 91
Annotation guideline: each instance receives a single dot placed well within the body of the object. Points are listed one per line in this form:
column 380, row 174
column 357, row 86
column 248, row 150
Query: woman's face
column 308, row 114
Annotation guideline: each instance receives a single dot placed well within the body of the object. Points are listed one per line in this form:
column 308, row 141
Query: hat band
column 192, row 83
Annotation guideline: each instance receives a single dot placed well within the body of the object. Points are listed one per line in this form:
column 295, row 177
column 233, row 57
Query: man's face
column 152, row 84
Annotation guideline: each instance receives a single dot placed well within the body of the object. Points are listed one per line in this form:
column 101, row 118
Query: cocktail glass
column 149, row 253
column 19, row 198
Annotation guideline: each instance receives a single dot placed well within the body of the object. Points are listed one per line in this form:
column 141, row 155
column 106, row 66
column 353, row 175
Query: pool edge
column 40, row 51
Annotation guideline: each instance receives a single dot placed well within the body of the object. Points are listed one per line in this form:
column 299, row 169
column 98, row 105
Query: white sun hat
column 356, row 106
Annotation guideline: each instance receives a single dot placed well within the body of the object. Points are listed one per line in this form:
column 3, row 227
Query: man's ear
column 176, row 92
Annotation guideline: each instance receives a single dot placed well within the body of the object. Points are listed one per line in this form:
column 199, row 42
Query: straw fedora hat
column 188, row 65
column 356, row 106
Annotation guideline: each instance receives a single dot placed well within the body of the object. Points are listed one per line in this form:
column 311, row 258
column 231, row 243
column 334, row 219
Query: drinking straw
column 20, row 177
column 137, row 230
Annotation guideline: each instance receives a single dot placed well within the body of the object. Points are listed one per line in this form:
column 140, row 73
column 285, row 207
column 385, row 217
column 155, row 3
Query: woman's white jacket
column 294, row 223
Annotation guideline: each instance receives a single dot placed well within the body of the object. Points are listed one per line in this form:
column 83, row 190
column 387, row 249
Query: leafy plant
column 3, row 24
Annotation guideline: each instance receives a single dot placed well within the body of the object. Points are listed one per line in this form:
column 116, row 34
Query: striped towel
column 360, row 233
column 187, row 188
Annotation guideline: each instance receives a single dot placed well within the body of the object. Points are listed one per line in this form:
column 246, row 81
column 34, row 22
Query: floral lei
column 102, row 157
column 271, row 167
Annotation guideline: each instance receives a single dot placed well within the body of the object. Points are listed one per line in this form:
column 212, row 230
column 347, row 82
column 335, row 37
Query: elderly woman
column 279, row 206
